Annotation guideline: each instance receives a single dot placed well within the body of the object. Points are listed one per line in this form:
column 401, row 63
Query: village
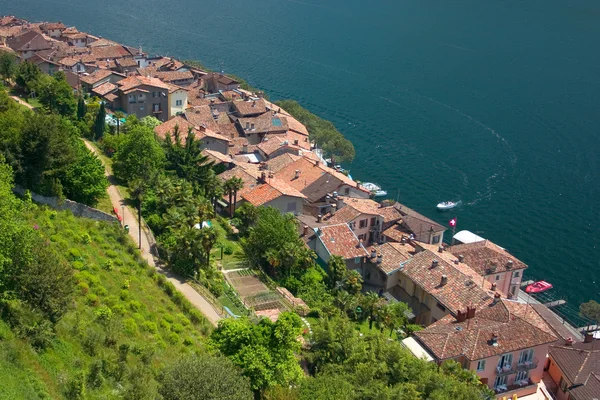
column 465, row 291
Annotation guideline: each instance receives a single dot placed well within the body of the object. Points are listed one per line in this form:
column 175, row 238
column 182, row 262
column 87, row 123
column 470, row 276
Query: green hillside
column 126, row 323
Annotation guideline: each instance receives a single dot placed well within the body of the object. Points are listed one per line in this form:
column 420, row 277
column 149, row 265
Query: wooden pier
column 555, row 303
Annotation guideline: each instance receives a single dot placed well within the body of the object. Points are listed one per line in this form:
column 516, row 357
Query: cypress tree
column 81, row 108
column 100, row 122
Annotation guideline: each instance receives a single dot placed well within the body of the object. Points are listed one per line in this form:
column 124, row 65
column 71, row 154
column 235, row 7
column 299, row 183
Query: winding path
column 130, row 218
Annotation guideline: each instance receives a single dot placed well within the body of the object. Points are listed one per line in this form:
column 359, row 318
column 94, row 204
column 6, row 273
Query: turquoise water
column 493, row 104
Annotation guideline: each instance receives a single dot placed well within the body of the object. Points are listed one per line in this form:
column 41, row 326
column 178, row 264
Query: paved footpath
column 22, row 102
column 130, row 218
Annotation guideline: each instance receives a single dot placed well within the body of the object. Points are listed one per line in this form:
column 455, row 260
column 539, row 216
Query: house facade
column 178, row 100
column 341, row 241
column 142, row 96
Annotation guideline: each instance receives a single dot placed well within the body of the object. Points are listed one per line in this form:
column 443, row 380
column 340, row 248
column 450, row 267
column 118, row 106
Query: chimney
column 569, row 341
column 339, row 202
column 245, row 148
column 441, row 249
column 202, row 128
column 444, row 280
column 316, row 162
column 319, row 218
column 327, row 199
column 497, row 297
column 509, row 264
column 461, row 316
column 588, row 338
column 470, row 312
column 373, row 252
column 461, row 258
column 379, row 258
column 494, row 286
column 263, row 177
column 494, row 338
column 403, row 240
column 434, row 263
column 271, row 175
column 253, row 103
column 297, row 174
column 332, row 210
column 247, row 125
column 360, row 243
column 305, row 230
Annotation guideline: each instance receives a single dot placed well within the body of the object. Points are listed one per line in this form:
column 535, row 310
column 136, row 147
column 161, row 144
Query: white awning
column 467, row 237
column 418, row 351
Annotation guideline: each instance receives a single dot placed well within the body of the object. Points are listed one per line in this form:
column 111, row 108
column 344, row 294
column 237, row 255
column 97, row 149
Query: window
column 526, row 356
column 522, row 375
column 142, row 107
column 505, row 361
column 132, row 98
column 347, row 191
column 363, row 223
column 291, row 207
column 441, row 307
column 363, row 237
column 516, row 274
column 153, row 94
column 563, row 384
column 179, row 102
column 373, row 220
column 500, row 380
column 356, row 260
column 497, row 277
column 480, row 365
column 436, row 239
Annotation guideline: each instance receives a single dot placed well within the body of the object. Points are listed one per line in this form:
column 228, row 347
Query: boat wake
column 489, row 189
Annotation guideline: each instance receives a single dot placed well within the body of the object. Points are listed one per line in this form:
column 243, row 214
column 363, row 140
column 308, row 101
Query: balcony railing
column 156, row 111
column 516, row 386
column 531, row 364
column 506, row 370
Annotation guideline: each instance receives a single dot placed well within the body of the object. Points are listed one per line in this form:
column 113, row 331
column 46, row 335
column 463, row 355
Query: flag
column 452, row 222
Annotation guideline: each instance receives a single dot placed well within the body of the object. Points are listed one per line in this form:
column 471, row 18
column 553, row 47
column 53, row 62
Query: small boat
column 375, row 189
column 538, row 287
column 446, row 205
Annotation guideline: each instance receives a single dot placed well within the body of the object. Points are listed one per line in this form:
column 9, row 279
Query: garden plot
column 253, row 292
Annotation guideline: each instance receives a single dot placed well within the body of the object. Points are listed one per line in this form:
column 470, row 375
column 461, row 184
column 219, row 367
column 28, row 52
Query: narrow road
column 22, row 102
column 130, row 218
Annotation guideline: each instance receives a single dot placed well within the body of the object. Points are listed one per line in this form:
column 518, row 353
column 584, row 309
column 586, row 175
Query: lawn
column 230, row 245
column 153, row 320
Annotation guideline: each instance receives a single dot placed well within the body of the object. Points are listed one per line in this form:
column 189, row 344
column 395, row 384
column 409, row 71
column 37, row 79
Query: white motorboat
column 375, row 189
column 446, row 205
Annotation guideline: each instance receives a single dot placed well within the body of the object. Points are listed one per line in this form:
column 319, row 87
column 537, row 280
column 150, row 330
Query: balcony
column 506, row 370
column 531, row 364
column 157, row 111
column 517, row 386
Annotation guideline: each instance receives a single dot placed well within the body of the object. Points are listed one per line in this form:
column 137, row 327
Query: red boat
column 538, row 287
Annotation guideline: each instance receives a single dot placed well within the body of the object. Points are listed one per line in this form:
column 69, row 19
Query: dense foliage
column 322, row 132
column 590, row 310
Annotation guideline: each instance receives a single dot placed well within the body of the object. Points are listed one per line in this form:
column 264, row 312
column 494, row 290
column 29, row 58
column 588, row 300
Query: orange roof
column 169, row 126
column 517, row 326
column 134, row 81
column 217, row 156
column 486, row 257
column 340, row 240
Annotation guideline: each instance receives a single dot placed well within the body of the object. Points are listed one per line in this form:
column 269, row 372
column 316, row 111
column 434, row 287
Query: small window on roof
column 497, row 277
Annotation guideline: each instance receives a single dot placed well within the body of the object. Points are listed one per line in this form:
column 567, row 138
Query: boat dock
column 558, row 322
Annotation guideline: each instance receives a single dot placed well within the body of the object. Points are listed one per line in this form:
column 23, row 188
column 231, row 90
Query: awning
column 416, row 349
column 467, row 237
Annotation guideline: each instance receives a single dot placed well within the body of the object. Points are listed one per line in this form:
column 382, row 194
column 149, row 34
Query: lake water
column 493, row 104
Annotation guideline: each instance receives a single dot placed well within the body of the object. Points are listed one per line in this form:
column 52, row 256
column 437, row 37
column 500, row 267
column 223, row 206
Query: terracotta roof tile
column 104, row 89
column 169, row 126
column 340, row 240
column 250, row 107
column 135, row 81
column 486, row 257
column 279, row 162
column 126, row 62
column 577, row 362
column 517, row 325
column 216, row 156
column 96, row 76
column 589, row 390
column 250, row 182
column 110, row 52
column 393, row 256
column 265, row 123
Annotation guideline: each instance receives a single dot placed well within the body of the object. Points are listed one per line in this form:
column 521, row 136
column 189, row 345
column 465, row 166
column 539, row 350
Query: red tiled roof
column 250, row 107
column 96, row 76
column 272, row 143
column 104, row 89
column 279, row 162
column 250, row 182
column 340, row 240
column 265, row 123
column 216, row 156
column 110, row 52
column 70, row 61
column 393, row 255
column 134, row 81
column 459, row 291
column 126, row 62
column 486, row 257
column 516, row 325
column 169, row 126
column 578, row 361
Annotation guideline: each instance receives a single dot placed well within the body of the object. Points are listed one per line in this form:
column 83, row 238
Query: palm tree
column 236, row 185
column 372, row 302
column 118, row 116
column 210, row 237
column 138, row 188
column 228, row 187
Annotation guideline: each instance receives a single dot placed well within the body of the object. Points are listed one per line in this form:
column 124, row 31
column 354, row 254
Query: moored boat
column 446, row 205
column 374, row 188
column 538, row 287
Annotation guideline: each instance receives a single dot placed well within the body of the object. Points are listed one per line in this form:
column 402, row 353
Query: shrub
column 95, row 378
column 119, row 309
column 78, row 265
column 111, row 253
column 139, row 318
column 107, row 265
column 126, row 284
column 111, row 301
column 85, row 238
column 103, row 313
column 150, row 327
column 169, row 318
column 92, row 300
column 91, row 341
column 228, row 249
column 165, row 325
column 173, row 338
column 196, row 316
column 188, row 341
column 135, row 305
column 182, row 319
column 83, row 287
column 74, row 254
column 177, row 328
column 130, row 327
column 124, row 294
column 101, row 291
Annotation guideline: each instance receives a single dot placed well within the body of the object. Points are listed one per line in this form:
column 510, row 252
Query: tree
column 247, row 213
column 210, row 237
column 8, row 65
column 336, row 269
column 590, row 310
column 118, row 116
column 237, row 184
column 27, row 76
column 56, row 95
column 266, row 352
column 85, row 181
column 137, row 188
column 327, row 387
column 100, row 122
column 140, row 156
column 352, row 282
column 372, row 304
column 81, row 108
column 204, row 377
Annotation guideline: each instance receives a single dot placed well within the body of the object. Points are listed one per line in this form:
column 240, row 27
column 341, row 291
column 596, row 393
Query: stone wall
column 78, row 209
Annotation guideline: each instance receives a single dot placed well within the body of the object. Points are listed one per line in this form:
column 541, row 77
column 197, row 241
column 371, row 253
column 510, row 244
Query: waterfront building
column 414, row 225
column 341, row 241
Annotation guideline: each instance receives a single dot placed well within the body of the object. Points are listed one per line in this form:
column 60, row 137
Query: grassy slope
column 149, row 317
